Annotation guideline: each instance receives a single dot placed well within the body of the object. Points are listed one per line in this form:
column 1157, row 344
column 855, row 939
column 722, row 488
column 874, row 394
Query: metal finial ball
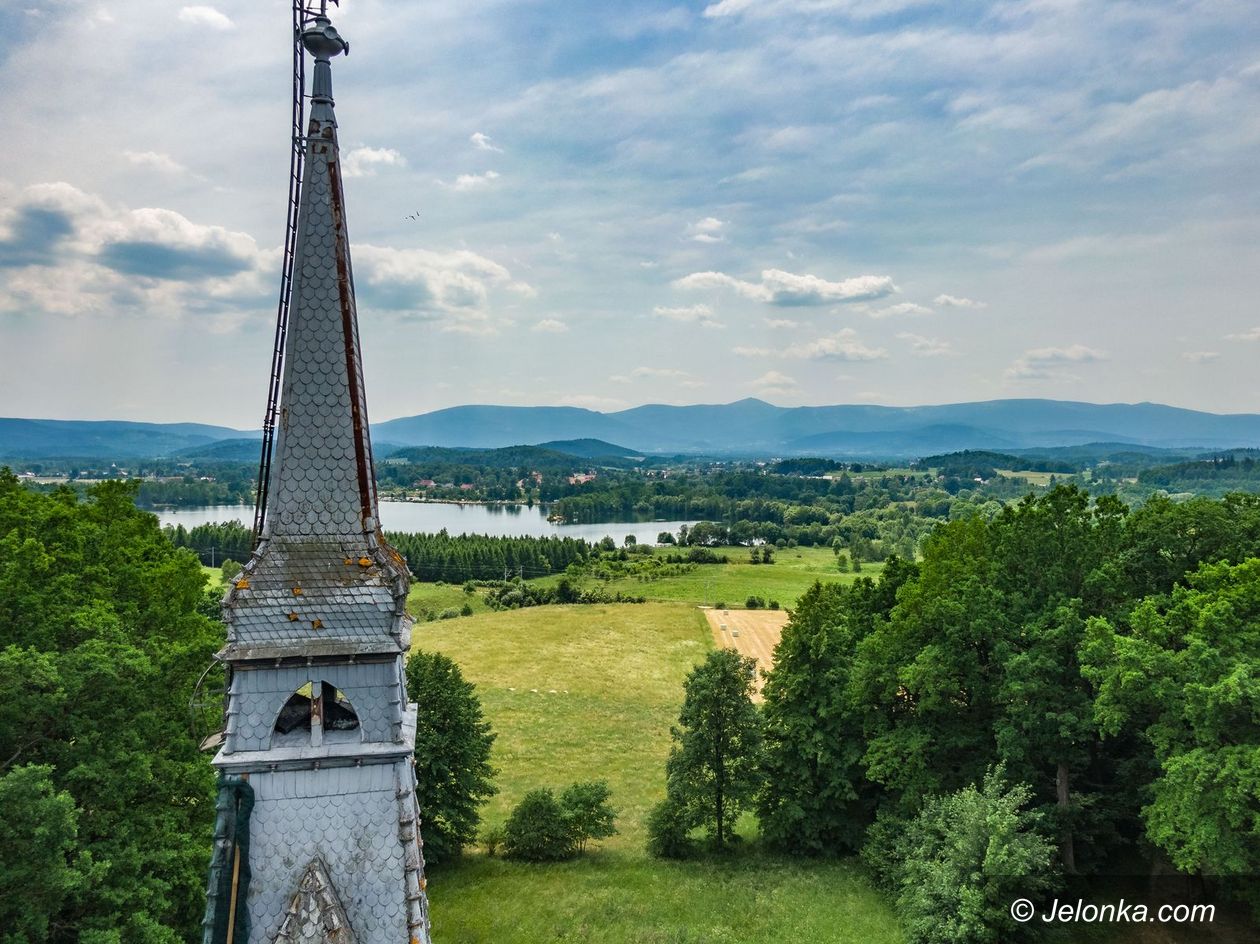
column 322, row 40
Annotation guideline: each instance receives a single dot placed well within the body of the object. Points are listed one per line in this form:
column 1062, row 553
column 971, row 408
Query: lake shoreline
column 496, row 519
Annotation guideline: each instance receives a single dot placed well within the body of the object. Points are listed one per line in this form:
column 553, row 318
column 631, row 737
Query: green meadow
column 793, row 572
column 589, row 692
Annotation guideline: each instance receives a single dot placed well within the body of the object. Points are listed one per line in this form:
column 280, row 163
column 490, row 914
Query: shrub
column 467, row 610
column 492, row 837
column 754, row 603
column 470, row 587
column 589, row 816
column 965, row 858
column 449, row 613
column 720, row 605
column 773, row 604
column 230, row 569
column 669, row 829
column 538, row 830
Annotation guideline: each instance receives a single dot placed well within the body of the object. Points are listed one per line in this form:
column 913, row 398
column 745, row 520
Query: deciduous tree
column 712, row 771
column 453, row 742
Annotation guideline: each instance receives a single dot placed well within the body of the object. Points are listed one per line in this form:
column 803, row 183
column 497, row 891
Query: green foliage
column 588, row 812
column 453, row 742
column 538, row 829
column 754, row 603
column 216, row 542
column 542, row 828
column 815, row 799
column 38, row 833
column 713, row 772
column 493, row 837
column 457, row 559
column 1184, row 671
column 101, row 644
column 669, row 831
column 516, row 594
column 230, row 569
column 965, row 858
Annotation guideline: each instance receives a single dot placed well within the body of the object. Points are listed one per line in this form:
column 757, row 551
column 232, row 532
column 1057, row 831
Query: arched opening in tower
column 315, row 707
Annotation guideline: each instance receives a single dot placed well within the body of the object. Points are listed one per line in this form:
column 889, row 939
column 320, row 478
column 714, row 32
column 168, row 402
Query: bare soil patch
column 749, row 632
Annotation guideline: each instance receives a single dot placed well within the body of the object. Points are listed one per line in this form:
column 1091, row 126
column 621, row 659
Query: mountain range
column 745, row 428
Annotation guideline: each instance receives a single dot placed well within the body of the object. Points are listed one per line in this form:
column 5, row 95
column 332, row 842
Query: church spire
column 322, row 484
column 318, row 833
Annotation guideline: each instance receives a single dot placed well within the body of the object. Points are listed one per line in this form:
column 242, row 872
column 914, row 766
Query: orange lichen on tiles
column 317, row 624
column 242, row 584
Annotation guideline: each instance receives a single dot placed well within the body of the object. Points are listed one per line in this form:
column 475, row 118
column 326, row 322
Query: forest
column 1096, row 664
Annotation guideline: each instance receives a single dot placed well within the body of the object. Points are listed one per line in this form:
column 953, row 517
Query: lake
column 499, row 520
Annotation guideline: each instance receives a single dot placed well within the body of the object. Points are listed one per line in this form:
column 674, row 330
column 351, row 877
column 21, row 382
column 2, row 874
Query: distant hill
column 590, row 449
column 104, row 438
column 753, row 427
column 510, row 457
column 225, row 450
column 744, row 428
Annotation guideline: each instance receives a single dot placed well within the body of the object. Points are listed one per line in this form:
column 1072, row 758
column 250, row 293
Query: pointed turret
column 319, row 736
column 322, row 574
column 322, row 481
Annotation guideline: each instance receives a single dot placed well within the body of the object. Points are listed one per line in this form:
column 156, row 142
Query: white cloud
column 787, row 323
column 205, row 16
column 1250, row 335
column 1047, row 363
column 789, row 289
column 456, row 284
column 707, row 230
column 550, row 326
column 658, row 372
column 364, row 161
column 156, row 161
column 858, row 9
column 67, row 252
column 590, row 401
column 483, row 142
column 842, row 346
column 904, row 308
column 953, row 301
column 1201, row 357
column 926, row 347
column 466, row 182
column 695, row 314
column 774, row 383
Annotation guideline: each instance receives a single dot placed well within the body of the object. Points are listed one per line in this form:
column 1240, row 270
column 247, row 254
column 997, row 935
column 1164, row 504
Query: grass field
column 590, row 693
column 1034, row 478
column 793, row 572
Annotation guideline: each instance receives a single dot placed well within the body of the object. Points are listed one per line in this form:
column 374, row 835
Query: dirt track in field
column 758, row 634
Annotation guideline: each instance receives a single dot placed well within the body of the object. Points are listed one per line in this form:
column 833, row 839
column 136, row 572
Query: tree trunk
column 1067, row 847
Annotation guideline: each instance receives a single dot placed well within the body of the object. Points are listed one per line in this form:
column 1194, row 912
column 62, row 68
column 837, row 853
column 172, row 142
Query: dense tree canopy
column 101, row 644
column 1184, row 670
column 1104, row 658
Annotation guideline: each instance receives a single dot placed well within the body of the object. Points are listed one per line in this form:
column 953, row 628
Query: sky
column 604, row 204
